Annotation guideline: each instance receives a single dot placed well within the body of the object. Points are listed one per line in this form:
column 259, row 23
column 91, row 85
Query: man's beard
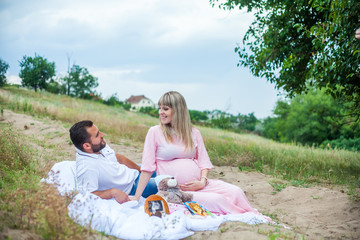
column 97, row 147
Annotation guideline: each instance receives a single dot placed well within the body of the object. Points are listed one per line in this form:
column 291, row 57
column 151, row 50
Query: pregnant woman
column 176, row 148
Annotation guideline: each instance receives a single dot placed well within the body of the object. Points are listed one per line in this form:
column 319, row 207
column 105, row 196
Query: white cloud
column 160, row 22
column 140, row 47
column 13, row 79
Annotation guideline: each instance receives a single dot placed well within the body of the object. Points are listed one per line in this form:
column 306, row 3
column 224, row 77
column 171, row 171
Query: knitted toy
column 169, row 190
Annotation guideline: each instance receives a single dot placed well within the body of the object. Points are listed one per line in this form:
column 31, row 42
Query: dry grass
column 25, row 203
column 41, row 210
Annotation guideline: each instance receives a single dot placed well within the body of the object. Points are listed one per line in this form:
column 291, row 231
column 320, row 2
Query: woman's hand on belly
column 193, row 185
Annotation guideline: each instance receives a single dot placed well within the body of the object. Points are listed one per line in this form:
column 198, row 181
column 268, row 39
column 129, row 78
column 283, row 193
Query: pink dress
column 172, row 159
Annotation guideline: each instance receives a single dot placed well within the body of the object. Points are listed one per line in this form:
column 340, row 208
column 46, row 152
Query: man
column 99, row 170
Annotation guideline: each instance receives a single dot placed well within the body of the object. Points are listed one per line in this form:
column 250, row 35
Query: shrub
column 342, row 143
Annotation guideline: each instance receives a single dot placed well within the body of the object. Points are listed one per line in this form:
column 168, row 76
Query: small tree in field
column 36, row 72
column 3, row 68
column 79, row 82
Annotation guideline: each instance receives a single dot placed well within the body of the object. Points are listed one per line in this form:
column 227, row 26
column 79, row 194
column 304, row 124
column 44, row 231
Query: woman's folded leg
column 221, row 197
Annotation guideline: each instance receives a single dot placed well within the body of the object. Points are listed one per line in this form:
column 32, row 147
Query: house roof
column 136, row 99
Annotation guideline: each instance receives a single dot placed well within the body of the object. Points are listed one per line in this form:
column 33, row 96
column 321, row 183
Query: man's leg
column 150, row 188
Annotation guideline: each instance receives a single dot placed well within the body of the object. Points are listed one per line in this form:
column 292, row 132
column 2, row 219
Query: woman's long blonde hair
column 180, row 122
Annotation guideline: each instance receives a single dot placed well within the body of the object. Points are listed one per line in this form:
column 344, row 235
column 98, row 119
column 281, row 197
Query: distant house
column 140, row 101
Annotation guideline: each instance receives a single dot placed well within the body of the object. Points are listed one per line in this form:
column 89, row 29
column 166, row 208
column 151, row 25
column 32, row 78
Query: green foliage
column 299, row 44
column 197, row 116
column 220, row 119
column 80, row 83
column 3, row 68
column 55, row 87
column 36, row 72
column 354, row 193
column 278, row 187
column 150, row 111
column 247, row 122
column 312, row 118
column 127, row 106
column 236, row 123
column 342, row 143
column 113, row 100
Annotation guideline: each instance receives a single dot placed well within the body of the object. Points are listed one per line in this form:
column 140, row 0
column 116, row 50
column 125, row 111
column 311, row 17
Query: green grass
column 288, row 161
column 277, row 233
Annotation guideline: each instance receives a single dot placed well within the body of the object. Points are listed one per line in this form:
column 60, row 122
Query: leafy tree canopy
column 298, row 44
column 80, row 83
column 198, row 116
column 113, row 100
column 3, row 68
column 310, row 118
column 36, row 72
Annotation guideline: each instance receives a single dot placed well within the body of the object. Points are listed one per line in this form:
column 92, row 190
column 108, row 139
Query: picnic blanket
column 129, row 220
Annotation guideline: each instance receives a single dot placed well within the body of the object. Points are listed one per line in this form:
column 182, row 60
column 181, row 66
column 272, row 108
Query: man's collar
column 92, row 155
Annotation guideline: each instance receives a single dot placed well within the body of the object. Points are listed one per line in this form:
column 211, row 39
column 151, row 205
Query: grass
column 287, row 161
column 24, row 202
column 278, row 234
column 114, row 121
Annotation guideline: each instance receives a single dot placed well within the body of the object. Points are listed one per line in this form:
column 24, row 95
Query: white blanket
column 129, row 220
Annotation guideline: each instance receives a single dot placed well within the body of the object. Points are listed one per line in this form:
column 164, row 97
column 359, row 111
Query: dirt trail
column 315, row 212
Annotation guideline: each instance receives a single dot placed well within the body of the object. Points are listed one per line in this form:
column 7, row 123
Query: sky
column 142, row 47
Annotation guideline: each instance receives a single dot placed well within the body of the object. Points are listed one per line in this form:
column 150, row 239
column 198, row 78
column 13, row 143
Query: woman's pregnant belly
column 184, row 170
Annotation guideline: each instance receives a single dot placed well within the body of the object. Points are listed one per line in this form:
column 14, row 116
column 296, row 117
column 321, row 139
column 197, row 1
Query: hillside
column 298, row 194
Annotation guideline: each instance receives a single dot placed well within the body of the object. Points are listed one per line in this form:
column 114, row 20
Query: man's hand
column 193, row 185
column 120, row 196
column 115, row 193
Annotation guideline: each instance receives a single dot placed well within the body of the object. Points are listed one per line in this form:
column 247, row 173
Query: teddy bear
column 168, row 189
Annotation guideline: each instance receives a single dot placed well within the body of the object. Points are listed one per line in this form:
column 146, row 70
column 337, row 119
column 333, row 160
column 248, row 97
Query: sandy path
column 316, row 212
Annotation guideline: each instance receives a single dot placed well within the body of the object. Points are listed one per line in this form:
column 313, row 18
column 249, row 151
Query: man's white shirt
column 99, row 172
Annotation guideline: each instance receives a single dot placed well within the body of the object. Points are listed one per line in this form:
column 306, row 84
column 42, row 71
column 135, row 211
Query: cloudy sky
column 141, row 47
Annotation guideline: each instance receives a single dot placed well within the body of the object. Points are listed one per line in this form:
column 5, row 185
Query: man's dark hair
column 79, row 134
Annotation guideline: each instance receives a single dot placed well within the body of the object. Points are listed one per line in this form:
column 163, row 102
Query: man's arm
column 127, row 162
column 119, row 195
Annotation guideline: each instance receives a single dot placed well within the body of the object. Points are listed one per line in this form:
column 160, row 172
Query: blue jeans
column 150, row 188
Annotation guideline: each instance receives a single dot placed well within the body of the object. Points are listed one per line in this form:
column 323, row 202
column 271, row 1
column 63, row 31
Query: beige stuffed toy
column 169, row 190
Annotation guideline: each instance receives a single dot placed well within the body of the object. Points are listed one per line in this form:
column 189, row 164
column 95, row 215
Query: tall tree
column 3, row 68
column 36, row 72
column 79, row 82
column 297, row 44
